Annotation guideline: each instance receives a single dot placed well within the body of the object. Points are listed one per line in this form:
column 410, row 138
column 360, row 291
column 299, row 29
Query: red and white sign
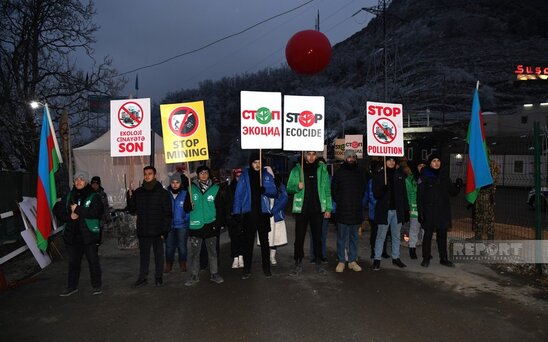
column 384, row 129
column 261, row 122
column 354, row 142
column 304, row 122
column 130, row 128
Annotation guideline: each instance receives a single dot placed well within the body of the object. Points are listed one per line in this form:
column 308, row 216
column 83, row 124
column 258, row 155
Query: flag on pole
column 478, row 173
column 49, row 158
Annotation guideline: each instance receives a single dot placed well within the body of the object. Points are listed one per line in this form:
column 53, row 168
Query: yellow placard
column 184, row 132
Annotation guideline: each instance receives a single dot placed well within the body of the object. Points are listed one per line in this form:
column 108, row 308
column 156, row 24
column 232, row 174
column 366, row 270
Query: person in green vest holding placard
column 204, row 202
column 81, row 210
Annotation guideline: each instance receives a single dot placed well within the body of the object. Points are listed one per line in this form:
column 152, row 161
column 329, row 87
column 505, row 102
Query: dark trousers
column 253, row 224
column 75, row 253
column 373, row 238
column 144, row 251
column 302, row 220
column 441, row 239
column 236, row 240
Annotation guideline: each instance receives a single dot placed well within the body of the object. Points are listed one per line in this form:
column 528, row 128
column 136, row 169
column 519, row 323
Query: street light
column 37, row 104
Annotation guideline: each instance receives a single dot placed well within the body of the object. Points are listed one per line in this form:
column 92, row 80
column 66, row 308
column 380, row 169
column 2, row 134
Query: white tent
column 116, row 172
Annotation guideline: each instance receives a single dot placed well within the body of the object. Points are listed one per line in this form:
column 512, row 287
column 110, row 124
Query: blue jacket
column 369, row 200
column 242, row 197
column 278, row 209
column 180, row 217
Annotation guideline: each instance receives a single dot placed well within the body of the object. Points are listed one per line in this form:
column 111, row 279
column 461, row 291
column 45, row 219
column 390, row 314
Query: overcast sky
column 140, row 33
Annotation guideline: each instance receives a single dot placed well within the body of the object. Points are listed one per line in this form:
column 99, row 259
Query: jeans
column 75, row 253
column 144, row 252
column 395, row 229
column 325, row 225
column 414, row 230
column 176, row 239
column 347, row 233
column 194, row 254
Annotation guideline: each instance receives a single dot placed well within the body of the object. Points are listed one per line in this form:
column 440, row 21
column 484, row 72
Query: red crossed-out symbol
column 307, row 118
column 183, row 121
column 384, row 131
column 130, row 114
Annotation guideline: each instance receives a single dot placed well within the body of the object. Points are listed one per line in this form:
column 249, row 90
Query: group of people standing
column 188, row 216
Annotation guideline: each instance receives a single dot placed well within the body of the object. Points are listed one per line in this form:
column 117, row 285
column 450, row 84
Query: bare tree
column 39, row 43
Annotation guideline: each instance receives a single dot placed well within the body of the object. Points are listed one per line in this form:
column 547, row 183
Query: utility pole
column 380, row 10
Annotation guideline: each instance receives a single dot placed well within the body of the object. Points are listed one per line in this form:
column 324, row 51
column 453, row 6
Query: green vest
column 204, row 206
column 92, row 224
column 324, row 188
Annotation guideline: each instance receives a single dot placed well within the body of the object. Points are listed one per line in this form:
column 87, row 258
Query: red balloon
column 308, row 52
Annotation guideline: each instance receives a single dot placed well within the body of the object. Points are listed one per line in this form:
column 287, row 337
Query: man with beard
column 81, row 211
column 348, row 188
column 251, row 200
column 152, row 204
column 311, row 204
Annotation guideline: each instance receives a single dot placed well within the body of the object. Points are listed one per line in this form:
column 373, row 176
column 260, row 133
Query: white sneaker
column 241, row 261
column 235, row 263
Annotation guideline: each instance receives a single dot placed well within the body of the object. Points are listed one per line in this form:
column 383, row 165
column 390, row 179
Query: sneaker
column 267, row 273
column 236, row 263
column 425, row 262
column 67, row 292
column 376, row 265
column 139, row 283
column 193, row 280
column 159, row 281
column 340, row 267
column 97, row 291
column 320, row 270
column 447, row 263
column 241, row 261
column 273, row 261
column 246, row 275
column 216, row 278
column 325, row 261
column 354, row 266
column 398, row 263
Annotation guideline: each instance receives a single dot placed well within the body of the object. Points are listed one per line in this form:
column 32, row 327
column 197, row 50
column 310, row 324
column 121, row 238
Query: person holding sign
column 434, row 208
column 391, row 210
column 251, row 200
column 348, row 188
column 311, row 204
column 152, row 205
column 81, row 211
column 205, row 204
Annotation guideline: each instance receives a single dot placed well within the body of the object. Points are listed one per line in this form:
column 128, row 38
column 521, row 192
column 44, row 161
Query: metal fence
column 514, row 194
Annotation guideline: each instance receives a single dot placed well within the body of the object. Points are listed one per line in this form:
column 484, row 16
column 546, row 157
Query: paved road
column 391, row 305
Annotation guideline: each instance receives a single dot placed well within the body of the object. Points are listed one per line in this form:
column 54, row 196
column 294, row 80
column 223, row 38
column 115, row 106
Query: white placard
column 260, row 120
column 384, row 129
column 130, row 128
column 354, row 142
column 304, row 122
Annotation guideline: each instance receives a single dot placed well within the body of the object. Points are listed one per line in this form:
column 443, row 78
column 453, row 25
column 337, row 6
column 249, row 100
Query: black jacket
column 77, row 231
column 382, row 194
column 153, row 209
column 433, row 200
column 347, row 190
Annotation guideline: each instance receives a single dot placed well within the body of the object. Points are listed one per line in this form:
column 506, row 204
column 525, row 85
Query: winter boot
column 182, row 266
column 273, row 261
column 413, row 253
column 168, row 267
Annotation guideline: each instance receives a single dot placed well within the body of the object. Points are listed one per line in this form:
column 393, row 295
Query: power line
column 216, row 41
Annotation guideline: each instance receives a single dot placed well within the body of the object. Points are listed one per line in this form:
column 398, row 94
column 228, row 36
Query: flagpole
column 477, row 85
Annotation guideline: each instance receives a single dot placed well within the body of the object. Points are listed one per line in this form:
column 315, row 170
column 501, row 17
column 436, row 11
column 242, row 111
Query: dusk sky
column 139, row 33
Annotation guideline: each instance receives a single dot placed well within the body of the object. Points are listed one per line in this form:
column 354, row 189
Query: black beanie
column 202, row 168
column 253, row 156
column 432, row 157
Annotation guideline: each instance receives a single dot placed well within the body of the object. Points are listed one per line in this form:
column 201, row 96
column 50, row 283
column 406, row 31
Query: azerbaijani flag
column 478, row 173
column 49, row 158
